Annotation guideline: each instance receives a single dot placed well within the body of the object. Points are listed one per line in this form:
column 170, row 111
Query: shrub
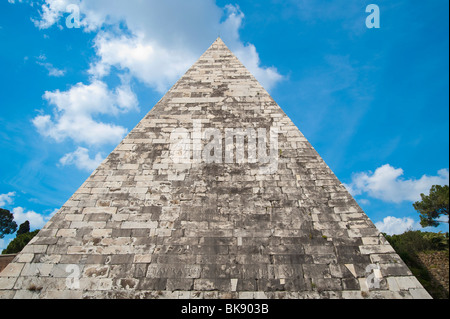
column 412, row 242
column 408, row 244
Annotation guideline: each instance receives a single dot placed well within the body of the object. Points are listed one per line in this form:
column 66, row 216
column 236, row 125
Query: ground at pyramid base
column 214, row 194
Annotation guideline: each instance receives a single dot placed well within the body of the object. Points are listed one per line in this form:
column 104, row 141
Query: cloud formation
column 37, row 221
column 76, row 109
column 147, row 61
column 6, row 199
column 156, row 41
column 387, row 184
column 52, row 70
column 395, row 226
column 81, row 159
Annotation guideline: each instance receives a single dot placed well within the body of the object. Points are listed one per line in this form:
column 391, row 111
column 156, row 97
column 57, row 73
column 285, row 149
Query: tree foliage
column 24, row 228
column 19, row 243
column 409, row 244
column 414, row 241
column 7, row 224
column 433, row 206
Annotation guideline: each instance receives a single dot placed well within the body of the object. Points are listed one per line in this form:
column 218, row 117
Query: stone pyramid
column 214, row 194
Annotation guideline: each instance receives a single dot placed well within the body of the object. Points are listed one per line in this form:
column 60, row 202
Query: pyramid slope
column 146, row 225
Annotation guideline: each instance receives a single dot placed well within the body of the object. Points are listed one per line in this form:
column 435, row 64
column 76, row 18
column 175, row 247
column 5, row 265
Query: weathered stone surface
column 147, row 225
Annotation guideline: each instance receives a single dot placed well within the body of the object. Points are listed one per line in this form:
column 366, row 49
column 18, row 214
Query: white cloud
column 352, row 189
column 52, row 11
column 394, row 226
column 268, row 77
column 386, row 184
column 364, row 201
column 36, row 220
column 52, row 71
column 152, row 64
column 75, row 111
column 80, row 158
column 7, row 199
column 163, row 38
column 246, row 53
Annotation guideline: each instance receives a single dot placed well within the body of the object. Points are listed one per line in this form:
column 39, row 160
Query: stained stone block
column 100, row 210
column 376, row 249
column 328, row 284
column 407, row 282
column 350, row 284
column 122, row 259
column 139, row 225
column 126, row 283
column 385, row 258
column 12, row 270
column 212, row 284
column 35, row 249
column 395, row 270
column 271, row 285
column 180, row 284
column 173, row 271
column 96, row 284
column 37, row 269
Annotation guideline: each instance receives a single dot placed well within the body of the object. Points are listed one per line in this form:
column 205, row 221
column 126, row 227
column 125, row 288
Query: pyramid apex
column 219, row 44
column 219, row 41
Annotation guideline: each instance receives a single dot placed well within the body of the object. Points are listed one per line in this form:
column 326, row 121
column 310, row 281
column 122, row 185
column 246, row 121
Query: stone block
column 96, row 284
column 420, row 293
column 66, row 233
column 376, row 249
column 180, row 284
column 7, row 283
column 408, row 282
column 100, row 210
column 37, row 269
column 12, row 270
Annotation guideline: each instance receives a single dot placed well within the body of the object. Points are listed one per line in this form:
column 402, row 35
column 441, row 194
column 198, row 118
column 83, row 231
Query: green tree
column 410, row 245
column 433, row 206
column 19, row 243
column 7, row 224
column 24, row 228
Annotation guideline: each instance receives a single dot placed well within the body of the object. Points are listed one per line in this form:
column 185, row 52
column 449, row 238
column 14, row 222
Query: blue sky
column 373, row 102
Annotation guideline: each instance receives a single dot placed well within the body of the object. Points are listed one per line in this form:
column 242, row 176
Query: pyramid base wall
column 417, row 293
